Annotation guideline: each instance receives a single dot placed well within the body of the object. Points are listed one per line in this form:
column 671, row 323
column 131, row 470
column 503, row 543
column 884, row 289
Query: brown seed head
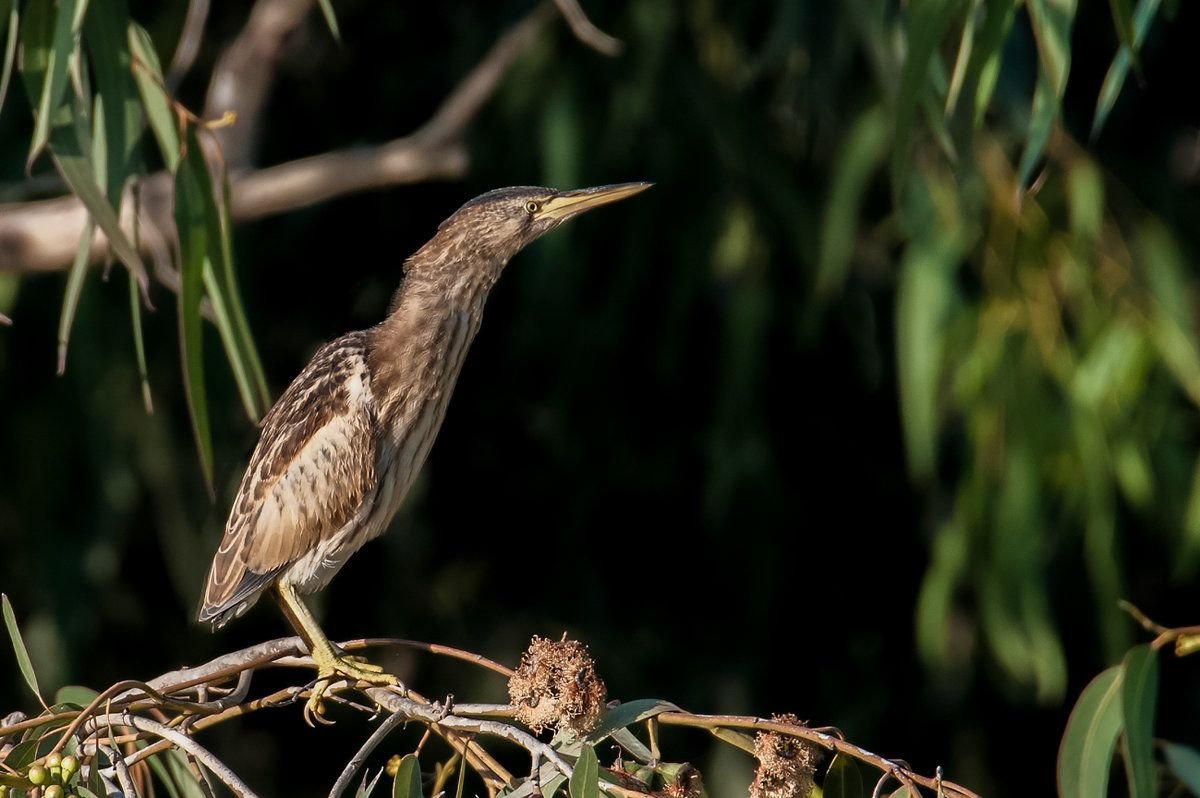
column 556, row 686
column 786, row 764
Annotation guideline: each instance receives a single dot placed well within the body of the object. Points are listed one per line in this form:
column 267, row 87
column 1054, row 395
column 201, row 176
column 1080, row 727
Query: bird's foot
column 335, row 669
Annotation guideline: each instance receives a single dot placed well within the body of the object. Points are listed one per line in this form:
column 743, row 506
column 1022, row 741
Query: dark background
column 664, row 442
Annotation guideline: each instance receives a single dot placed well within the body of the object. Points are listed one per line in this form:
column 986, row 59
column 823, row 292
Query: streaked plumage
column 340, row 448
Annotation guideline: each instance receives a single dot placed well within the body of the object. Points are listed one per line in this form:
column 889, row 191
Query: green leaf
column 139, row 342
column 364, row 788
column 9, row 9
column 75, row 694
column 1052, row 21
column 627, row 714
column 330, row 19
column 857, row 160
column 1145, row 13
column 65, row 39
column 585, row 778
column 1139, row 695
column 1184, row 762
column 1122, row 16
column 927, row 21
column 191, row 222
column 843, row 780
column 407, row 783
column 104, row 31
column 164, row 776
column 147, row 73
column 23, row 661
column 1085, row 755
column 182, row 775
column 72, row 154
column 75, row 277
column 962, row 61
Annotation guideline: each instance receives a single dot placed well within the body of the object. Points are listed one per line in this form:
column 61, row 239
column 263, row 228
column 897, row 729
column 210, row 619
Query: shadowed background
column 673, row 438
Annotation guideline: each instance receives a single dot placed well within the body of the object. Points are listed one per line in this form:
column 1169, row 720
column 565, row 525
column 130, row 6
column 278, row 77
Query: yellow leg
column 330, row 666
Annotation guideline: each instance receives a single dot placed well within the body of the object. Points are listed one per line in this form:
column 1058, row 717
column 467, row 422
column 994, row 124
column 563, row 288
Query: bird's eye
column 532, row 206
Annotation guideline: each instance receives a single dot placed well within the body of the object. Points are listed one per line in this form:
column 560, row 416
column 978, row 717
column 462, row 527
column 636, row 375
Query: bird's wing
column 310, row 472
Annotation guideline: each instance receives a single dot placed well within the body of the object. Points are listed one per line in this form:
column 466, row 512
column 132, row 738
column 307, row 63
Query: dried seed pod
column 556, row 686
column 786, row 764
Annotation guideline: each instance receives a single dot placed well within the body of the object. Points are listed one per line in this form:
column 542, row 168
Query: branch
column 585, row 31
column 39, row 237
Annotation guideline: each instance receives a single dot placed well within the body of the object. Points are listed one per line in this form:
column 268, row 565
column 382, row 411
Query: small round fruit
column 38, row 774
column 53, row 791
column 70, row 765
column 53, row 759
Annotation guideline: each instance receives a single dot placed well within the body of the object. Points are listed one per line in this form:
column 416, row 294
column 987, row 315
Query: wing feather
column 312, row 469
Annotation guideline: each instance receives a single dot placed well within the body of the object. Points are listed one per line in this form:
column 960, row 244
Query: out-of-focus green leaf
column 191, row 221
column 1052, row 21
column 36, row 36
column 984, row 67
column 927, row 21
column 843, row 780
column 182, row 775
column 1122, row 14
column 65, row 38
column 1085, row 195
column 407, row 783
column 10, row 12
column 1145, row 13
column 923, row 297
column 585, row 779
column 1172, row 321
column 859, row 158
column 330, row 18
column 139, row 343
column 164, row 776
column 935, row 601
column 1085, row 755
column 18, row 644
column 1139, row 696
column 71, row 294
column 1184, row 762
column 148, row 74
column 74, row 694
column 961, row 61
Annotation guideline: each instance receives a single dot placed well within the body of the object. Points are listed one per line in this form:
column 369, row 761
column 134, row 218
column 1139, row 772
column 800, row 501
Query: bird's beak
column 566, row 204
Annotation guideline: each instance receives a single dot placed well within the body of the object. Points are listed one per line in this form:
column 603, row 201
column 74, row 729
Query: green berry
column 53, row 791
column 70, row 765
column 53, row 759
column 38, row 774
column 3, row 791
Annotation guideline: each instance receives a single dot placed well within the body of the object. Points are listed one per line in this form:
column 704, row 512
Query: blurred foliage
column 889, row 328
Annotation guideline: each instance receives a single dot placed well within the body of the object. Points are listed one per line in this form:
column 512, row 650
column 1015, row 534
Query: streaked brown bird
column 343, row 444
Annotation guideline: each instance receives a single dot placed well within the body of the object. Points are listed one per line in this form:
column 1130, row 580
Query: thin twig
column 189, row 42
column 360, row 757
column 585, row 31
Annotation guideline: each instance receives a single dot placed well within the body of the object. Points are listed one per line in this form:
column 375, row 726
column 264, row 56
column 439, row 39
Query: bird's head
column 497, row 225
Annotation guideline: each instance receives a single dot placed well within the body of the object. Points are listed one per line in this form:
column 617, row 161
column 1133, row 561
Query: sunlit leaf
column 18, row 644
column 68, row 20
column 1139, row 697
column 107, row 43
column 330, row 18
column 1122, row 14
column 843, row 780
column 147, row 72
column 627, row 714
column 585, row 779
column 860, row 156
column 191, row 222
column 1085, row 755
column 75, row 278
column 986, row 56
column 962, row 60
column 1184, row 763
column 407, row 783
column 1145, row 13
column 74, row 694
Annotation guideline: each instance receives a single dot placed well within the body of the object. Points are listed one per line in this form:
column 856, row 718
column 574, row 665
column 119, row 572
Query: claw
column 355, row 669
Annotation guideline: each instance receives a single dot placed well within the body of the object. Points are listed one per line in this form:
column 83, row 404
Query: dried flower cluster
column 785, row 764
column 556, row 687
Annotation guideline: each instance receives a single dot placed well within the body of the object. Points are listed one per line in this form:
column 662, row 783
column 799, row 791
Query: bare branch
column 189, row 42
column 360, row 757
column 245, row 72
column 585, row 31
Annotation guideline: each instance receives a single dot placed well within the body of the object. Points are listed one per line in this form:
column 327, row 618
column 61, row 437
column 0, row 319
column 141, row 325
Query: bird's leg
column 330, row 664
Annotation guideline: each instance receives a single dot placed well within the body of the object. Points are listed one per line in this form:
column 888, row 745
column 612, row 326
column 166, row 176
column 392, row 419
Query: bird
column 342, row 445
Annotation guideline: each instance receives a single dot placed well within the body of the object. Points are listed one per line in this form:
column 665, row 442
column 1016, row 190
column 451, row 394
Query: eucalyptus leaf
column 843, row 779
column 1085, row 754
column 147, row 73
column 1139, row 696
column 18, row 644
column 585, row 778
column 1184, row 762
column 407, row 783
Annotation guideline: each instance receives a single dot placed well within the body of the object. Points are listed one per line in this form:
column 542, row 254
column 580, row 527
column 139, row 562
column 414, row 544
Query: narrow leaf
column 1184, row 762
column 1085, row 755
column 139, row 343
column 65, row 39
column 75, row 279
column 585, row 778
column 191, row 222
column 1145, row 13
column 330, row 19
column 407, row 783
column 966, row 44
column 10, row 10
column 1052, row 21
column 627, row 714
column 1139, row 695
column 108, row 46
column 364, row 788
column 843, row 780
column 23, row 661
column 927, row 20
column 147, row 73
column 1122, row 16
